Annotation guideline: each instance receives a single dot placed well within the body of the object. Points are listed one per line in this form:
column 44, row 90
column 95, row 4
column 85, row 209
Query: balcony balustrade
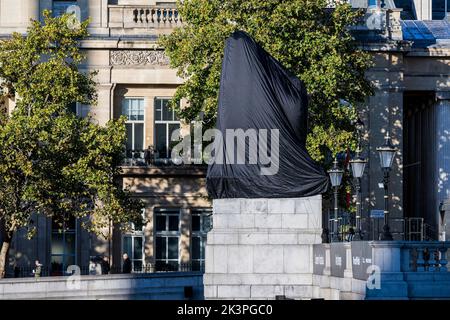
column 157, row 17
column 424, row 256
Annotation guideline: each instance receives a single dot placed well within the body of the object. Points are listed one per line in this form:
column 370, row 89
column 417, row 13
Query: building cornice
column 120, row 43
column 197, row 171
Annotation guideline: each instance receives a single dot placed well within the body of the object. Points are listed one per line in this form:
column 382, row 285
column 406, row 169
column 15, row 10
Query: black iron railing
column 93, row 269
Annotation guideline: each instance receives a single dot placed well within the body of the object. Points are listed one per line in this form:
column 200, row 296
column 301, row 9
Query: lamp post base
column 386, row 235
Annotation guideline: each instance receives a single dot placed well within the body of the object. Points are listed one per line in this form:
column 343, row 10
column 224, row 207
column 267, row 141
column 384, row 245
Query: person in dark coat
column 126, row 267
column 16, row 271
column 105, row 265
column 148, row 155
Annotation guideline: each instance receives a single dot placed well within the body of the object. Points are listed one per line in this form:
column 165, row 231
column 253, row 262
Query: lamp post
column 387, row 153
column 336, row 178
column 358, row 165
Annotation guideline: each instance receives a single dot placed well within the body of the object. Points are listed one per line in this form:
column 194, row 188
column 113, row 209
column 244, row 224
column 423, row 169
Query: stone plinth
column 262, row 248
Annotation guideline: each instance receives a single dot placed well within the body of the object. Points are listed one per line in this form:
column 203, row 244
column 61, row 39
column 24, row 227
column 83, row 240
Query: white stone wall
column 155, row 286
column 261, row 248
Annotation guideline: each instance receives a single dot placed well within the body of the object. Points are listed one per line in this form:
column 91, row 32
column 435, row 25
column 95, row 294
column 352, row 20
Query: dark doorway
column 419, row 170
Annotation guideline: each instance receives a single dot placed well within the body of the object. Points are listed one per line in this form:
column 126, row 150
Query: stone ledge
column 275, row 237
column 156, row 286
column 258, row 279
column 259, row 292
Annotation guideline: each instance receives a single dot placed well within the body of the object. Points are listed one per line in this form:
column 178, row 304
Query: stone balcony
column 142, row 17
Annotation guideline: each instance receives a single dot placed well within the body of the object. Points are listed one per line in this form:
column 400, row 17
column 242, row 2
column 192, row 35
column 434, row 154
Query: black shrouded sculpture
column 257, row 92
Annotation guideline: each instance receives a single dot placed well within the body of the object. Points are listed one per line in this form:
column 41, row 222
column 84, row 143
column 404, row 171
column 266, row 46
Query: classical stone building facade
column 412, row 91
column 411, row 79
column 134, row 79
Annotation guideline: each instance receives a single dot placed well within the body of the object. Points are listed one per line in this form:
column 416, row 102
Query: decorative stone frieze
column 138, row 57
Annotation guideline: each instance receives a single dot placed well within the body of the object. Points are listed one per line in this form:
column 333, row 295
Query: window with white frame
column 200, row 226
column 166, row 122
column 167, row 237
column 59, row 7
column 133, row 245
column 134, row 110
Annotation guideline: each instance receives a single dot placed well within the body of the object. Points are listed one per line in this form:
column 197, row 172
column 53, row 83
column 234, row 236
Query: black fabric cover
column 257, row 92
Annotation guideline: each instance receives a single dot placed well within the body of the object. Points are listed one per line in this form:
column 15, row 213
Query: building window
column 63, row 245
column 167, row 230
column 166, row 122
column 407, row 7
column 440, row 9
column 133, row 245
column 60, row 7
column 134, row 110
column 200, row 226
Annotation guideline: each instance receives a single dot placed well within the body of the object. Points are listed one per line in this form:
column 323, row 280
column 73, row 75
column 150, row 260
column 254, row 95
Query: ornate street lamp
column 336, row 178
column 358, row 165
column 387, row 153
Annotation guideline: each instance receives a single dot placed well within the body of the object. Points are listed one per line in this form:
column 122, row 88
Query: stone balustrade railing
column 424, row 256
column 127, row 16
column 389, row 256
column 381, row 270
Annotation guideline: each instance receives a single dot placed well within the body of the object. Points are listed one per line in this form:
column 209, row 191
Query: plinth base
column 262, row 248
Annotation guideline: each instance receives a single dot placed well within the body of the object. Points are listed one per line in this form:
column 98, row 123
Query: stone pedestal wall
column 261, row 248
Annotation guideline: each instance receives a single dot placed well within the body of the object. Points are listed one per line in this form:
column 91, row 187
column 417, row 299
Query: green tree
column 313, row 42
column 52, row 162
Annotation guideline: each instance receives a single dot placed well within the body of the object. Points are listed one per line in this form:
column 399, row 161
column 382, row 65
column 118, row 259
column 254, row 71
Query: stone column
column 442, row 165
column 384, row 112
column 423, row 9
column 262, row 248
column 444, row 227
column 102, row 112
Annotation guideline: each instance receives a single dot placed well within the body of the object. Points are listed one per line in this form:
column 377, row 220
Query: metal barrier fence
column 402, row 229
column 95, row 269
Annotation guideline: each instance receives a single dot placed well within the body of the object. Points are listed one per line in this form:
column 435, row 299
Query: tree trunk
column 4, row 257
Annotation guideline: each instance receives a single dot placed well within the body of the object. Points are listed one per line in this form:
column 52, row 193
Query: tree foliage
column 313, row 42
column 53, row 162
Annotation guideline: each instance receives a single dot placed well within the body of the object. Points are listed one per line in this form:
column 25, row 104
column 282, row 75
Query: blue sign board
column 377, row 214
